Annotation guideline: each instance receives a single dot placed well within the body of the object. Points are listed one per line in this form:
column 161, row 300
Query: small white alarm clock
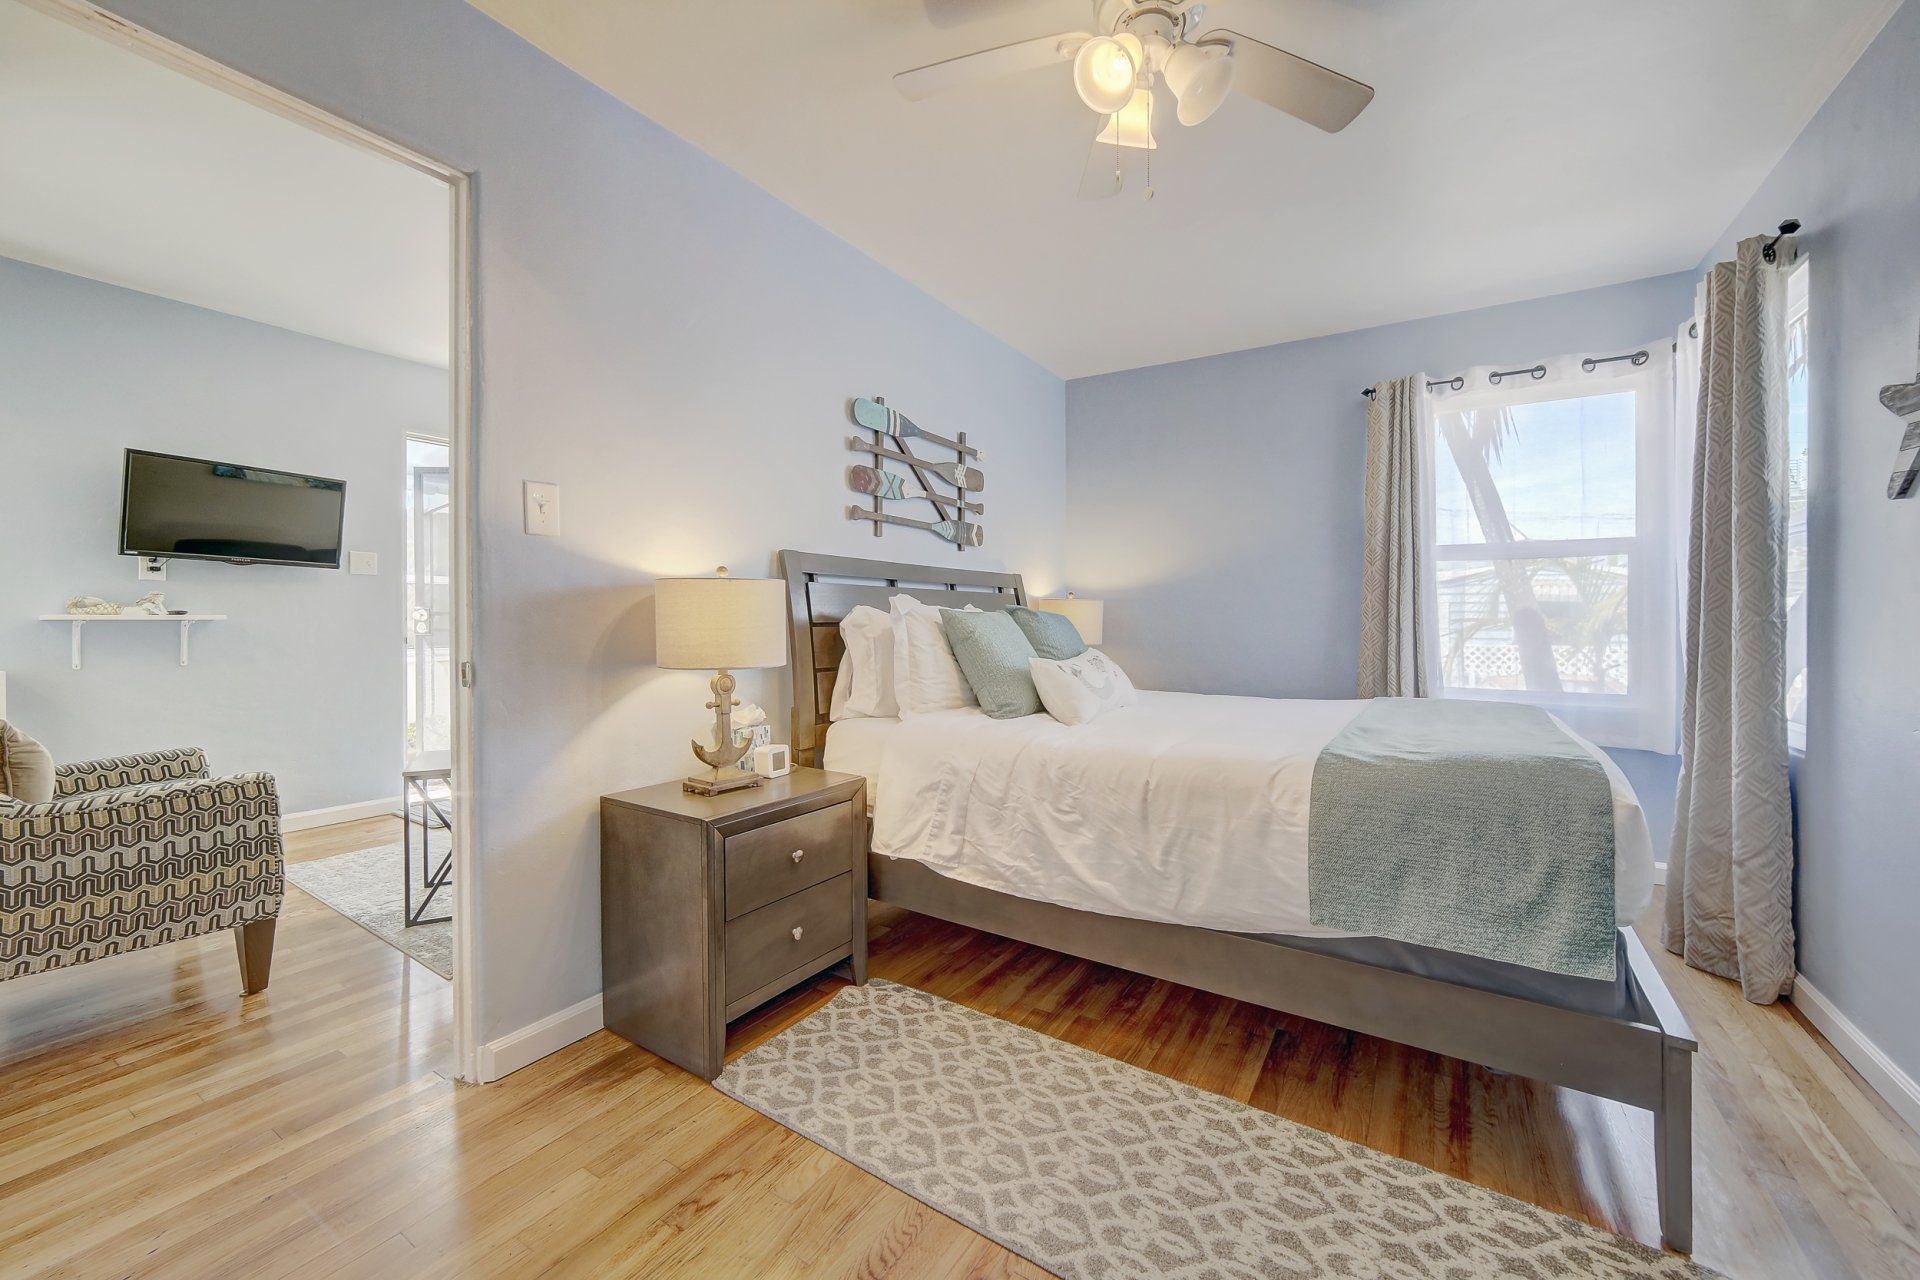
column 772, row 760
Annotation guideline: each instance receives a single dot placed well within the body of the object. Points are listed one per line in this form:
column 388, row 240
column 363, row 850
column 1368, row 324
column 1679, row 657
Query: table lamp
column 1087, row 616
column 720, row 624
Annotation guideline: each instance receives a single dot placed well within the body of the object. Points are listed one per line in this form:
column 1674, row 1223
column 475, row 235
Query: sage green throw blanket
column 1478, row 827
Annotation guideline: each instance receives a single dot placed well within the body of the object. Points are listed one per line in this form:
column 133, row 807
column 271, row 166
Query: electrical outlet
column 152, row 569
column 363, row 562
column 543, row 508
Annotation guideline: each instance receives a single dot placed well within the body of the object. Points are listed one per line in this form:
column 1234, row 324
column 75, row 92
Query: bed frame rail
column 1641, row 1063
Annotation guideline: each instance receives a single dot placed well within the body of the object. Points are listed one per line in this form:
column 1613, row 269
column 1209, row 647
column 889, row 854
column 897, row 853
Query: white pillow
column 925, row 676
column 1075, row 690
column 866, row 671
column 842, row 689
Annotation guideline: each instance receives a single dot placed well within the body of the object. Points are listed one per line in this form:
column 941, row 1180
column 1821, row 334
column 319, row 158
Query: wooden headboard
column 822, row 590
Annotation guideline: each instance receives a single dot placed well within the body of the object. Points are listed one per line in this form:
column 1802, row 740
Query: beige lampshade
column 712, row 624
column 1085, row 615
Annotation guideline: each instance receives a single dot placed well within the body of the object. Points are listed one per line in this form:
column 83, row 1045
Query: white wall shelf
column 185, row 621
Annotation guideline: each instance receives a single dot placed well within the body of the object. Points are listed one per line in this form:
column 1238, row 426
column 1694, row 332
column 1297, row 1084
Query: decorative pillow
column 1050, row 634
column 26, row 767
column 1075, row 690
column 867, row 670
column 925, row 676
column 993, row 654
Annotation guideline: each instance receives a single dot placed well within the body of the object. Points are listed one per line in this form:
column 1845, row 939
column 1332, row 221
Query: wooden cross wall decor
column 892, row 432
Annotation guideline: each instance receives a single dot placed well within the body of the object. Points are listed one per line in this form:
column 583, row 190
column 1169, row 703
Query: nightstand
column 713, row 905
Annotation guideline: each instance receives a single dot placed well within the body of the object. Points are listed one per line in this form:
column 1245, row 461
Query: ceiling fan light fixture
column 1200, row 77
column 1105, row 69
column 1132, row 125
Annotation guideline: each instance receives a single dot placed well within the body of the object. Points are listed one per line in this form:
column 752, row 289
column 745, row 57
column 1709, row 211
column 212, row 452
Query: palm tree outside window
column 1555, row 555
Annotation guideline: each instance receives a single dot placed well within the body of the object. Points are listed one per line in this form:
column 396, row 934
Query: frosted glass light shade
column 1200, row 79
column 1087, row 616
column 713, row 624
column 1105, row 69
column 1132, row 125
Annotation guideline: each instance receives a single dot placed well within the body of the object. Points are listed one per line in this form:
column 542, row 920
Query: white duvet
column 1186, row 808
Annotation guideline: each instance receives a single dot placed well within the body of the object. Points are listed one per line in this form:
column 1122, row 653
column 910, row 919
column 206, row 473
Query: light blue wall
column 1852, row 177
column 1216, row 504
column 305, row 679
column 675, row 348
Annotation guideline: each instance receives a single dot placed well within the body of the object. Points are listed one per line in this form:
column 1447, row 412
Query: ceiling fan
column 1114, row 66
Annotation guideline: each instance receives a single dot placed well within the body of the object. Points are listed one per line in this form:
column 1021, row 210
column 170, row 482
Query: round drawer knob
column 797, row 931
column 797, row 855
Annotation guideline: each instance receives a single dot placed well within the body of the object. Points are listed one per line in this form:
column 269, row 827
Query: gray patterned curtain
column 1730, row 870
column 1397, row 634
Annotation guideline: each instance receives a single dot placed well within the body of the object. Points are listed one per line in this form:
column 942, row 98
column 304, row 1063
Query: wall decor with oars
column 933, row 487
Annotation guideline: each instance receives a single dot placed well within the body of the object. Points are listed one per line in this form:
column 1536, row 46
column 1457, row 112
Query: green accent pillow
column 993, row 653
column 1051, row 635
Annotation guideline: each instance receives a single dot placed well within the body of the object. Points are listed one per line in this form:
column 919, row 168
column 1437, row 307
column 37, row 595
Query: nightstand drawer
column 784, row 935
column 779, row 860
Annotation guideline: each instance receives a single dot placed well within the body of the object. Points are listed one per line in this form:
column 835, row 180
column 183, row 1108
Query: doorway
column 434, row 561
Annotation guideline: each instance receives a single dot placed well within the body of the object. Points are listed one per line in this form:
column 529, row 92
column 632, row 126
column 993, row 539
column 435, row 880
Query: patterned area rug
column 365, row 887
column 1094, row 1168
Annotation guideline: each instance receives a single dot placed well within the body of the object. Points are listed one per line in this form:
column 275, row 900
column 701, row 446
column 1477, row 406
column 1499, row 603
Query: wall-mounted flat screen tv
column 199, row 509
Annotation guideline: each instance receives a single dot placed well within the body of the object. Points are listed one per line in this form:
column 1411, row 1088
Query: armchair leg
column 254, row 943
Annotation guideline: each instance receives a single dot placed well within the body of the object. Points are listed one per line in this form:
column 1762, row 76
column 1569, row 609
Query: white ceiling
column 119, row 169
column 1516, row 148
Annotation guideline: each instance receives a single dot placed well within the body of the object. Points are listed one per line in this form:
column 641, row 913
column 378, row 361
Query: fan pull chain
column 1149, row 194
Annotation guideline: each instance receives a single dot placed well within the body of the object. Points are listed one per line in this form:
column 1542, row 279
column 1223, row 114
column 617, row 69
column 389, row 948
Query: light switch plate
column 363, row 562
column 543, row 508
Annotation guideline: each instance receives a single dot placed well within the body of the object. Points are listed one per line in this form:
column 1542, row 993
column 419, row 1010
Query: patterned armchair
column 137, row 851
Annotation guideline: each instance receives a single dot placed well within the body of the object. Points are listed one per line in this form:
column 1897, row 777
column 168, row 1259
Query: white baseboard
column 531, row 1043
column 307, row 818
column 1900, row 1090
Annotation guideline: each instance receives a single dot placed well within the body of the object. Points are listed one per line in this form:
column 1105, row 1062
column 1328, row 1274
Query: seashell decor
column 94, row 607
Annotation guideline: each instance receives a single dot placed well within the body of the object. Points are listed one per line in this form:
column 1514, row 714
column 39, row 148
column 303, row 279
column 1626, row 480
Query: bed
column 1207, row 913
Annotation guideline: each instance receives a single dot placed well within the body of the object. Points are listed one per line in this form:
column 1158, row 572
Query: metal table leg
column 433, row 878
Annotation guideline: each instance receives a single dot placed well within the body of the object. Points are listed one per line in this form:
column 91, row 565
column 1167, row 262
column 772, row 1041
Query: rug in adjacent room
column 1094, row 1168
column 365, row 887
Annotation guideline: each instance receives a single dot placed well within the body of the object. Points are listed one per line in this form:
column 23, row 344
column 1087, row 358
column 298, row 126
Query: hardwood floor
column 153, row 1123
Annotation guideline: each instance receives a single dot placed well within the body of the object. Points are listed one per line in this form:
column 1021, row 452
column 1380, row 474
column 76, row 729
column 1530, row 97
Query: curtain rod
column 1787, row 228
column 1768, row 252
column 1536, row 372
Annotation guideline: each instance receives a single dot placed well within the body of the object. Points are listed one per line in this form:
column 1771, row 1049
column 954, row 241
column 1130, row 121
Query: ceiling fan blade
column 988, row 64
column 1306, row 90
column 1108, row 170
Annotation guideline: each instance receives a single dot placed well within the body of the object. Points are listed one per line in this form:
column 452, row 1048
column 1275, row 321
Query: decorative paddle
column 953, row 473
column 885, row 484
column 958, row 532
column 875, row 416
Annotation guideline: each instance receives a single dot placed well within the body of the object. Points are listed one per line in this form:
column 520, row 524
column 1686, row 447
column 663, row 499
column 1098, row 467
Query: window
column 1554, row 556
column 1795, row 365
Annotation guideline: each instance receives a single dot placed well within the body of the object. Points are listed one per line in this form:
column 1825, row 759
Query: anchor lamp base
column 716, row 782
column 723, row 772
